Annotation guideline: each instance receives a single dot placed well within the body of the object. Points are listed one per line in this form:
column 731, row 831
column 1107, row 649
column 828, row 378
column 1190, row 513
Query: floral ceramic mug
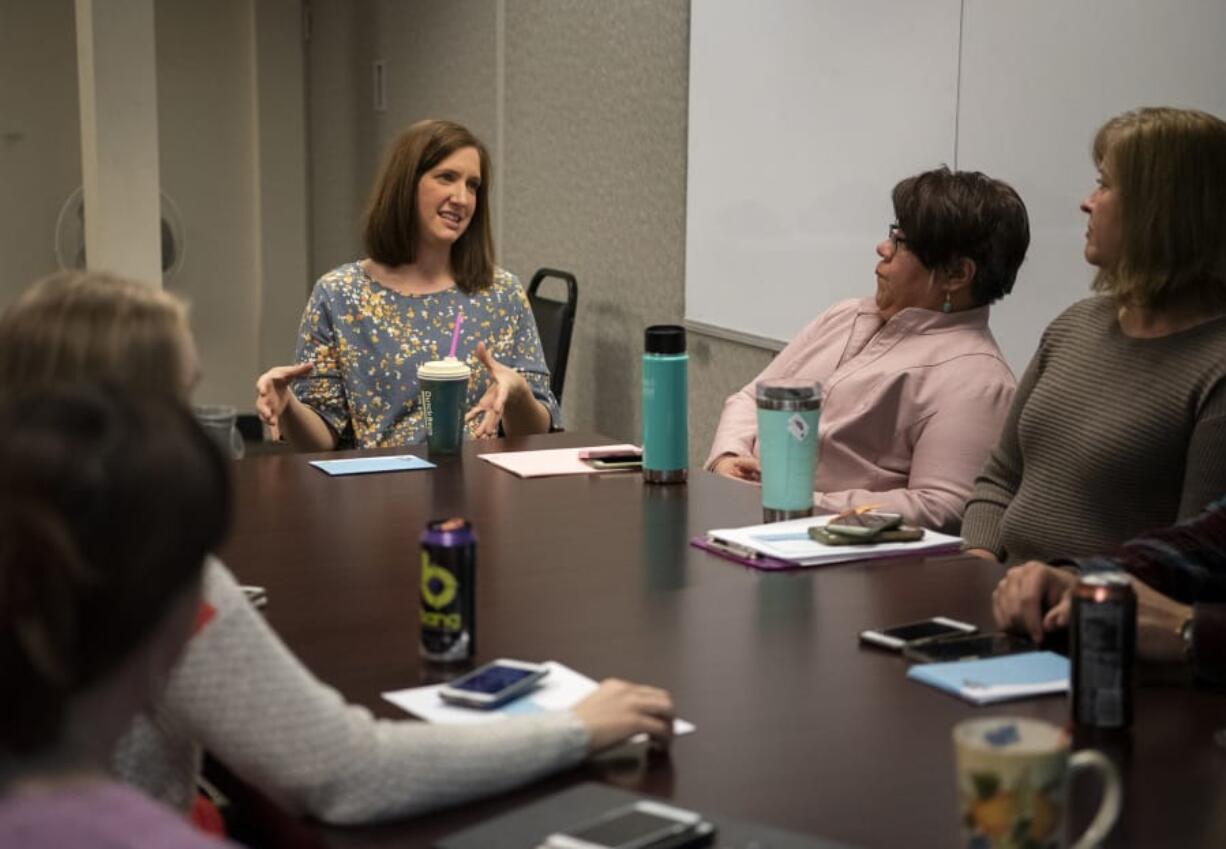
column 1013, row 785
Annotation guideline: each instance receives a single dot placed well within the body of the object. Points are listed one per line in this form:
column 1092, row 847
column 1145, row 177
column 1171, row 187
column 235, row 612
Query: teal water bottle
column 788, row 412
column 666, row 449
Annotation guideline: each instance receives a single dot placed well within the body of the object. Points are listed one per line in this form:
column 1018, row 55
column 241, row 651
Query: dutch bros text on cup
column 442, row 386
column 1013, row 785
column 788, row 412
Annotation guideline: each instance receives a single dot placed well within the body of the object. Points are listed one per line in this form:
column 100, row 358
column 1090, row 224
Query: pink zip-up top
column 910, row 408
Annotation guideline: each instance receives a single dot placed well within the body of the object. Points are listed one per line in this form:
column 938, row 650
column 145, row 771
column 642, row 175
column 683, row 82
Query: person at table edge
column 1180, row 577
column 369, row 324
column 914, row 385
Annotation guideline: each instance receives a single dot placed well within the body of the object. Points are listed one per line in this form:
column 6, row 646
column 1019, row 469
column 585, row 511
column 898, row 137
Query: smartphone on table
column 641, row 825
column 897, row 637
column 965, row 647
column 612, row 458
column 865, row 524
column 494, row 684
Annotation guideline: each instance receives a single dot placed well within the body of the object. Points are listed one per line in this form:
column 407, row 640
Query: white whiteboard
column 804, row 113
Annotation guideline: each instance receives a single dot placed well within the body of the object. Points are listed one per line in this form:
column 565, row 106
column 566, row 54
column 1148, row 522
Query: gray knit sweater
column 238, row 692
column 1107, row 436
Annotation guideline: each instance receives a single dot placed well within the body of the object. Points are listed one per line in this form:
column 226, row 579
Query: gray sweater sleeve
column 1002, row 472
column 240, row 694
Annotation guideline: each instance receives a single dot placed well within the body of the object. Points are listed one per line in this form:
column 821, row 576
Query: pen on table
column 732, row 548
column 855, row 511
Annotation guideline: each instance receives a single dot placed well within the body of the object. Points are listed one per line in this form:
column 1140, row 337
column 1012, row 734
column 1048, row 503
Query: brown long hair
column 1169, row 167
column 85, row 326
column 390, row 227
column 109, row 503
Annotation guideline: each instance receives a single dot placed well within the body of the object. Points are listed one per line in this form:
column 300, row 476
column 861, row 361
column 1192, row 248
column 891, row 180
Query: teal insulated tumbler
column 666, row 450
column 788, row 411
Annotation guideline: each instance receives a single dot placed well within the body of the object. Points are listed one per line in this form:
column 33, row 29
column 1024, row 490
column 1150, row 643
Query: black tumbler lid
column 665, row 339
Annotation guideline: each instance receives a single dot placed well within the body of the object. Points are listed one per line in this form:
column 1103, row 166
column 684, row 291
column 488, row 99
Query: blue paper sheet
column 367, row 465
column 997, row 679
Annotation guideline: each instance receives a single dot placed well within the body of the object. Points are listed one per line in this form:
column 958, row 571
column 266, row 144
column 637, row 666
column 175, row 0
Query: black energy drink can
column 448, row 591
column 1102, row 645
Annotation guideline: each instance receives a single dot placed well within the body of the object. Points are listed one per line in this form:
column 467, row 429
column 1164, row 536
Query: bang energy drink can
column 448, row 591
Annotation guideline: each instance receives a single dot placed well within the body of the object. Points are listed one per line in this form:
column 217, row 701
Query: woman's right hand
column 272, row 391
column 1033, row 599
column 739, row 468
column 618, row 710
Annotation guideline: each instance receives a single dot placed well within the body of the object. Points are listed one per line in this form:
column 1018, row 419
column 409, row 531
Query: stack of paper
column 790, row 542
column 997, row 679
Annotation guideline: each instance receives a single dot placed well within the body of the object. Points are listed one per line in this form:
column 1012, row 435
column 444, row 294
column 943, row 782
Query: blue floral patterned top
column 366, row 342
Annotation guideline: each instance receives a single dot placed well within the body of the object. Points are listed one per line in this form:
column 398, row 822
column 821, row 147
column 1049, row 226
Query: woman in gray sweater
column 1119, row 423
column 237, row 691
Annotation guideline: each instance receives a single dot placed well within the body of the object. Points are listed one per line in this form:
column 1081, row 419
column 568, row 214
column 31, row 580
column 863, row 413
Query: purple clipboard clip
column 741, row 554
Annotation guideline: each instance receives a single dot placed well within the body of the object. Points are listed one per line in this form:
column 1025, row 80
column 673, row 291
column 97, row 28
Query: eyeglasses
column 896, row 238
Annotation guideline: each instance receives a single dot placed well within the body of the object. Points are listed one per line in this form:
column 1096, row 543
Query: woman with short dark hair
column 108, row 508
column 370, row 324
column 1120, row 420
column 914, row 386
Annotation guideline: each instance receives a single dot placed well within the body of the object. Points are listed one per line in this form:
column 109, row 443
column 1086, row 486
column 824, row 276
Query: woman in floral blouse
column 370, row 324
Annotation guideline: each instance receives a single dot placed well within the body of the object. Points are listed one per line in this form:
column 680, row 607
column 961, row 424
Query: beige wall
column 586, row 120
column 232, row 151
column 340, row 121
column 40, row 135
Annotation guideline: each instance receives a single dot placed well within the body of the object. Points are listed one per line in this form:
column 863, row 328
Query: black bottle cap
column 665, row 339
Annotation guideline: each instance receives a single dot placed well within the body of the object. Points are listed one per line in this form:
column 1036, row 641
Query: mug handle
column 1109, row 807
column 237, row 447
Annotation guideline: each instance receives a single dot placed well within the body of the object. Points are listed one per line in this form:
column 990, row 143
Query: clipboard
column 751, row 559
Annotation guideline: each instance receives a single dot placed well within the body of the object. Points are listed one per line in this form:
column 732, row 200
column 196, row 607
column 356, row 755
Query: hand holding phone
column 494, row 684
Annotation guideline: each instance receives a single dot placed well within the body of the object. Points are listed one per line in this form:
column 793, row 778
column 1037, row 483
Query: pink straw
column 455, row 334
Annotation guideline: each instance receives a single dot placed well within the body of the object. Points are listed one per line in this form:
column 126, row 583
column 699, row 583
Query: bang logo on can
column 448, row 572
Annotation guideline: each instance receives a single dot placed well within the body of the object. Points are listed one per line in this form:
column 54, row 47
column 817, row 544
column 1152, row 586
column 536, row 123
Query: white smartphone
column 493, row 684
column 898, row 636
column 864, row 524
column 641, row 825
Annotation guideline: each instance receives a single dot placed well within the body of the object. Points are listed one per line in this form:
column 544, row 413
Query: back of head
column 1169, row 168
column 108, row 506
column 390, row 229
column 85, row 326
column 950, row 215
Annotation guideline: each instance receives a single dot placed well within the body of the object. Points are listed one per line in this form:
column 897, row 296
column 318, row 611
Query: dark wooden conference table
column 798, row 725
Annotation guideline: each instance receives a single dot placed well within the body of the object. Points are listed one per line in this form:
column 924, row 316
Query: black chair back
column 555, row 321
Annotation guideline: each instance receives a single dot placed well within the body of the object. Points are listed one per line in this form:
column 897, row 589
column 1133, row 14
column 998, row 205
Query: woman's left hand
column 507, row 386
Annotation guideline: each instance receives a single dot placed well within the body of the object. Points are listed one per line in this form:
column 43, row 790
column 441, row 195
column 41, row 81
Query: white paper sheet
column 562, row 688
column 550, row 462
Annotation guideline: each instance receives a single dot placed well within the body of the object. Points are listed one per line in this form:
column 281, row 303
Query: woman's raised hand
column 506, row 386
column 272, row 391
